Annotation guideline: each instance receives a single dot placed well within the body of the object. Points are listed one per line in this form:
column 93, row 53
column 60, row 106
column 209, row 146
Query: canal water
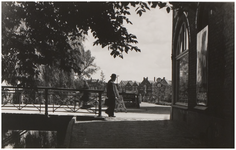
column 29, row 139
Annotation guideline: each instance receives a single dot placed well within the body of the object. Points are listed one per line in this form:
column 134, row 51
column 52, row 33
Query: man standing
column 112, row 95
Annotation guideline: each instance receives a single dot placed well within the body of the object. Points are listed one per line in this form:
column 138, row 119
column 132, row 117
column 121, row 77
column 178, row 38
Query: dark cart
column 131, row 100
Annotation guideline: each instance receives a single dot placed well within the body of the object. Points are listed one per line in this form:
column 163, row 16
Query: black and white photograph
column 117, row 74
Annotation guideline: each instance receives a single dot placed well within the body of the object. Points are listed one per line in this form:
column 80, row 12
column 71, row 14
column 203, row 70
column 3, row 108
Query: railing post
column 100, row 105
column 46, row 102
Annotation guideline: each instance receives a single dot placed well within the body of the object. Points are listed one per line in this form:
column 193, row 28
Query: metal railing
column 57, row 99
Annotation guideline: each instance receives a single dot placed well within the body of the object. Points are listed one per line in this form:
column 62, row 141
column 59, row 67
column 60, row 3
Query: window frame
column 181, row 50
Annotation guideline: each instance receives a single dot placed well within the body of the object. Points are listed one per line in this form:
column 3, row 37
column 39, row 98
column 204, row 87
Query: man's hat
column 113, row 75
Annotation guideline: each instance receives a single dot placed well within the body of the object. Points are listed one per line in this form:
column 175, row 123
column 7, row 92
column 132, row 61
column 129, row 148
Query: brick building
column 146, row 87
column 155, row 91
column 203, row 71
column 128, row 87
column 163, row 90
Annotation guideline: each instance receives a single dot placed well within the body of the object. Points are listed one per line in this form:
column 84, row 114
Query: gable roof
column 124, row 83
column 129, row 84
column 135, row 83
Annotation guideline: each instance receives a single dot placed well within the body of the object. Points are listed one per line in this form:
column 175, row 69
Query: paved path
column 147, row 127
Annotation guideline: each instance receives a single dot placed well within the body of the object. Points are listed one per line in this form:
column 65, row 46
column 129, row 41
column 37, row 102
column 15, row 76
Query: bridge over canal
column 52, row 109
column 47, row 108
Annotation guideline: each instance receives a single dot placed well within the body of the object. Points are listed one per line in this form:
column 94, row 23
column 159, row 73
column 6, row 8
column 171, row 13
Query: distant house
column 145, row 87
column 150, row 90
column 122, row 86
column 128, row 86
column 163, row 90
column 155, row 91
column 135, row 86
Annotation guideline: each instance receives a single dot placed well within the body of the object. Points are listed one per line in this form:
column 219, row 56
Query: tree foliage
column 54, row 77
column 88, row 67
column 38, row 33
column 102, row 75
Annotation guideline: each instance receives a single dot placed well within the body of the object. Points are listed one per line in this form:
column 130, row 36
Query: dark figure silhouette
column 112, row 96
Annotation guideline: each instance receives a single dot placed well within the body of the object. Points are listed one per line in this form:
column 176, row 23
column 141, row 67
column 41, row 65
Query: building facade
column 128, row 87
column 146, row 87
column 163, row 91
column 203, row 71
column 157, row 91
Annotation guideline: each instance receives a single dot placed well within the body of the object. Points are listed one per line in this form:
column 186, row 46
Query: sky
column 154, row 32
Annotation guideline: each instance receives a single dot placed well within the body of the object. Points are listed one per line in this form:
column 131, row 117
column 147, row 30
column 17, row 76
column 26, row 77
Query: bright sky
column 154, row 31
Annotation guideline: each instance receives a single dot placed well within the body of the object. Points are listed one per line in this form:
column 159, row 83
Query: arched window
column 182, row 64
column 183, row 43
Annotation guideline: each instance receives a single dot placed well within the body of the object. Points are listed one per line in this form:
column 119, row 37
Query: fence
column 51, row 99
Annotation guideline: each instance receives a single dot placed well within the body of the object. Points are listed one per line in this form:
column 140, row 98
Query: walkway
column 147, row 127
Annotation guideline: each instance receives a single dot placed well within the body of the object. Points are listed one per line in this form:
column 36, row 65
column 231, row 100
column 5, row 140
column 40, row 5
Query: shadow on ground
column 151, row 110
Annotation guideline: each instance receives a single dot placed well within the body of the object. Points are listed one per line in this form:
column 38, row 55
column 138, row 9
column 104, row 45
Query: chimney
column 154, row 79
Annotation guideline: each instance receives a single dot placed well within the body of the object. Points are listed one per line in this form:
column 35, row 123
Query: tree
column 88, row 67
column 38, row 33
column 55, row 77
column 102, row 77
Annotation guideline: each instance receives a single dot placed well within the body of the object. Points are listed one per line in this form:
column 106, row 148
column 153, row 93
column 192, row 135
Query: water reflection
column 29, row 139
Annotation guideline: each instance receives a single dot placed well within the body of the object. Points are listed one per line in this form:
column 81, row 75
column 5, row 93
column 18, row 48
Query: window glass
column 202, row 59
column 186, row 39
column 183, row 80
column 182, row 57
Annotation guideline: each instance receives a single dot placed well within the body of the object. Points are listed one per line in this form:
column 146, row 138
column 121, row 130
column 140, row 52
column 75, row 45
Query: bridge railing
column 51, row 99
